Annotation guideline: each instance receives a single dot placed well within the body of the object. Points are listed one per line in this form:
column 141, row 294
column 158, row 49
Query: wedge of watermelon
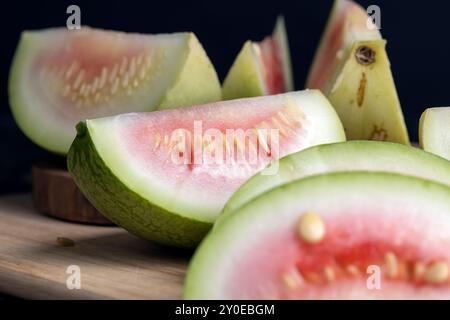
column 351, row 235
column 261, row 68
column 166, row 175
column 60, row 77
column 352, row 69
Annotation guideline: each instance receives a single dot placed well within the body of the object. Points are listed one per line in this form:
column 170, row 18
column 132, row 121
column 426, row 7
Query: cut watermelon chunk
column 434, row 131
column 261, row 68
column 346, row 156
column 165, row 176
column 352, row 69
column 353, row 235
column 60, row 77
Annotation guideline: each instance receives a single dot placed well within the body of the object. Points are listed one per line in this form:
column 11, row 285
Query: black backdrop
column 417, row 35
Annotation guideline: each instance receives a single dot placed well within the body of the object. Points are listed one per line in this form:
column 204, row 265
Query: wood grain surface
column 56, row 194
column 113, row 263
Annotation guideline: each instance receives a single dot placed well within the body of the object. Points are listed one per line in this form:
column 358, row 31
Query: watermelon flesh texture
column 150, row 154
column 434, row 131
column 261, row 68
column 346, row 156
column 91, row 73
column 258, row 253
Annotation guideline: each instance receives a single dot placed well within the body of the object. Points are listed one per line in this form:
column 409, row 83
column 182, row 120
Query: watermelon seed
column 114, row 86
column 262, row 140
column 437, row 273
column 329, row 274
column 238, row 144
column 390, row 261
column 157, row 139
column 419, row 271
column 103, row 77
column 132, row 70
column 78, row 80
column 283, row 118
column 311, row 228
column 280, row 127
column 82, row 89
column 95, row 84
column 139, row 60
column 353, row 270
column 71, row 69
column 113, row 74
column 123, row 66
column 365, row 55
column 292, row 280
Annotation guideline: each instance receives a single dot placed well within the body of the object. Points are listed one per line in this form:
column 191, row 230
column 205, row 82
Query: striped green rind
column 123, row 206
column 346, row 156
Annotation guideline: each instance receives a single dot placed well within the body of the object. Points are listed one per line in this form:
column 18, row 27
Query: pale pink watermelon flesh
column 347, row 24
column 271, row 62
column 166, row 133
column 352, row 244
column 140, row 172
column 397, row 223
column 261, row 68
column 186, row 166
column 275, row 60
column 86, row 75
column 60, row 77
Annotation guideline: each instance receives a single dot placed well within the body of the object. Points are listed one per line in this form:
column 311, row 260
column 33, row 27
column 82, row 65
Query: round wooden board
column 56, row 194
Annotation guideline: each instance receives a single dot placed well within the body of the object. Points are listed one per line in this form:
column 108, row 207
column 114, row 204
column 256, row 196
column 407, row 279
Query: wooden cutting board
column 113, row 264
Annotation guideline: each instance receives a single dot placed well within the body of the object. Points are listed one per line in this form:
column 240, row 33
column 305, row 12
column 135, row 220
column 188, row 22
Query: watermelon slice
column 353, row 235
column 60, row 77
column 352, row 69
column 434, row 131
column 166, row 175
column 346, row 156
column 261, row 68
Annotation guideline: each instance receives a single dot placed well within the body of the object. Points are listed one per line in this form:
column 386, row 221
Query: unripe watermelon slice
column 261, row 68
column 346, row 156
column 352, row 235
column 166, row 175
column 352, row 69
column 60, row 77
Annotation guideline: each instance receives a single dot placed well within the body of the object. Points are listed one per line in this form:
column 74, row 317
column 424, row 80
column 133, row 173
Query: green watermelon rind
column 203, row 277
column 281, row 34
column 122, row 205
column 16, row 99
column 244, row 79
column 196, row 82
column 344, row 156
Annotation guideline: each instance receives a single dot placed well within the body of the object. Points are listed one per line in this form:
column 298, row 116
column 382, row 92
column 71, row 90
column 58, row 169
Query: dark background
column 417, row 35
